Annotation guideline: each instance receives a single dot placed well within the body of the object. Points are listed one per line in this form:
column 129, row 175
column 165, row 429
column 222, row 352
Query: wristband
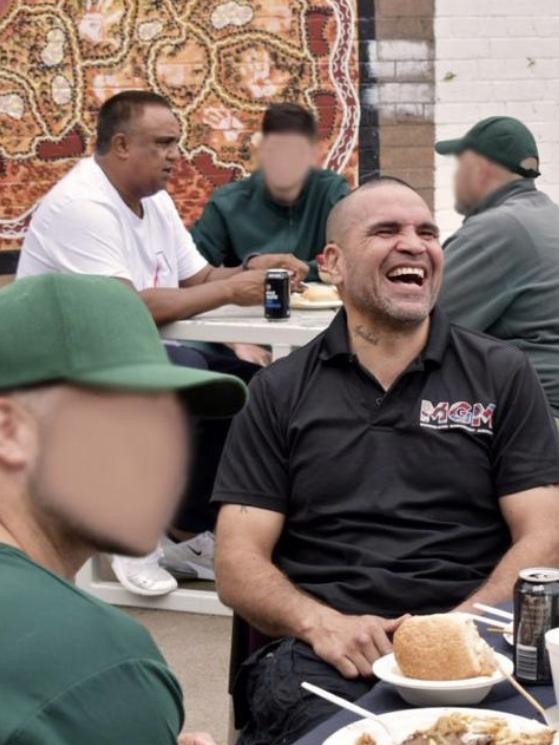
column 247, row 259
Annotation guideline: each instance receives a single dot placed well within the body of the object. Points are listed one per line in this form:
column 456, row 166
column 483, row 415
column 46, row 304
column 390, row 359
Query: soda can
column 277, row 297
column 536, row 610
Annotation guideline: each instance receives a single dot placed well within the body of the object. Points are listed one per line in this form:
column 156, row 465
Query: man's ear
column 333, row 262
column 16, row 434
column 120, row 145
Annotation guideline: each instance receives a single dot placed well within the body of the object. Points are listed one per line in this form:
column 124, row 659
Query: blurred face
column 286, row 159
column 110, row 467
column 388, row 261
column 469, row 180
column 149, row 149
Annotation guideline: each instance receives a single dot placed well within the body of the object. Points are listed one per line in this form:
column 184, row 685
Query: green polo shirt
column 242, row 218
column 74, row 670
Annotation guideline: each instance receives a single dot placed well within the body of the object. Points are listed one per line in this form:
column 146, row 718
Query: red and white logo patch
column 476, row 417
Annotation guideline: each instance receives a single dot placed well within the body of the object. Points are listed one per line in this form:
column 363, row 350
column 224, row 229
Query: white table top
column 233, row 323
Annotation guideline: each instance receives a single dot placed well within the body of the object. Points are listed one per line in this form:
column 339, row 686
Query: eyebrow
column 395, row 225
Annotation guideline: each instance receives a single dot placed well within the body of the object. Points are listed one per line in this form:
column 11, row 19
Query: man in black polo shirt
column 396, row 464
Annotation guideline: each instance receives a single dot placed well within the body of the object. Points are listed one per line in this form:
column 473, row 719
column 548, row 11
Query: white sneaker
column 144, row 576
column 192, row 559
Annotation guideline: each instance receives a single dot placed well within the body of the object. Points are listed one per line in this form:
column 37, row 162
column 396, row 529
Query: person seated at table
column 277, row 216
column 94, row 443
column 395, row 464
column 502, row 264
column 111, row 215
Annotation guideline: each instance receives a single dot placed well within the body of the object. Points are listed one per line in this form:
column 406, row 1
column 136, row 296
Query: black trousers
column 195, row 512
column 269, row 701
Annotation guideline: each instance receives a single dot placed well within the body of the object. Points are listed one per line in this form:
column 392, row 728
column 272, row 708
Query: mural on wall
column 220, row 62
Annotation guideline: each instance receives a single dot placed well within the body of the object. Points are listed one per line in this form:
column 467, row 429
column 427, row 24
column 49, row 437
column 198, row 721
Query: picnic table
column 233, row 323
column 382, row 699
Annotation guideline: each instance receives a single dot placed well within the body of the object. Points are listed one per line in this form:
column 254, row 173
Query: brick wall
column 496, row 57
column 400, row 61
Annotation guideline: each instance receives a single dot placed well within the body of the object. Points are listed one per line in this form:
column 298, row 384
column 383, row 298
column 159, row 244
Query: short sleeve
column 189, row 260
column 88, row 240
column 136, row 702
column 254, row 465
column 526, row 443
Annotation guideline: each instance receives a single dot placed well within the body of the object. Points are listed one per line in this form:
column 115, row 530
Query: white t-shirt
column 83, row 226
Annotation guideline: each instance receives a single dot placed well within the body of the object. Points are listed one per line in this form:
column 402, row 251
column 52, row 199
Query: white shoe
column 144, row 576
column 192, row 559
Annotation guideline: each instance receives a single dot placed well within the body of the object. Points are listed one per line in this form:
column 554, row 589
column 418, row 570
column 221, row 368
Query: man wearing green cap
column 93, row 443
column 502, row 265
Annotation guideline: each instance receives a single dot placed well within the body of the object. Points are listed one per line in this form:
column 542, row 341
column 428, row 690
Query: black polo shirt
column 391, row 498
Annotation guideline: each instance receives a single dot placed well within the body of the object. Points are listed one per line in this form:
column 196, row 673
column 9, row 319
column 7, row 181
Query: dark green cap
column 502, row 139
column 96, row 331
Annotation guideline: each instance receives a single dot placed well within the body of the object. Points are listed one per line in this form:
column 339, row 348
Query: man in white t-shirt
column 111, row 215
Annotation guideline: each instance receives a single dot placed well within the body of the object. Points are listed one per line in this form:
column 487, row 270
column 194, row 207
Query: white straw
column 488, row 621
column 343, row 704
column 494, row 611
column 337, row 700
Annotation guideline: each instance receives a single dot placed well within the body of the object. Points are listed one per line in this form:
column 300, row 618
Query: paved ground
column 197, row 649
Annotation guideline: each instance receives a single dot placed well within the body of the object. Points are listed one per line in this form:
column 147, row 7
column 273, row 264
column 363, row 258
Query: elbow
column 153, row 302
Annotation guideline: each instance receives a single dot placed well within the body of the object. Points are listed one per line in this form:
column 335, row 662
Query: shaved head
column 348, row 210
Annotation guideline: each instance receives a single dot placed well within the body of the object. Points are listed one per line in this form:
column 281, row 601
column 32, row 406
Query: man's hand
column 247, row 288
column 253, row 353
column 352, row 643
column 299, row 268
column 196, row 738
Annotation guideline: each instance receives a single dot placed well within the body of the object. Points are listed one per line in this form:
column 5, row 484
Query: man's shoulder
column 491, row 352
column 289, row 373
column 69, row 616
column 328, row 178
column 229, row 195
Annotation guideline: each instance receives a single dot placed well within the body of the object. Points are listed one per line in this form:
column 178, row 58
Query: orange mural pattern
column 219, row 62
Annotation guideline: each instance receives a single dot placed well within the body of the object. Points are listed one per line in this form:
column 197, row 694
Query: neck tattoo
column 366, row 335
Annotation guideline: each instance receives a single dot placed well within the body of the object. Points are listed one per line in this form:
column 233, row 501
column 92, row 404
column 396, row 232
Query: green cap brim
column 206, row 393
column 449, row 147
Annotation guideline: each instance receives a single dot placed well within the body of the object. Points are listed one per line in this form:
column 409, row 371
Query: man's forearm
column 540, row 550
column 218, row 273
column 269, row 602
column 168, row 304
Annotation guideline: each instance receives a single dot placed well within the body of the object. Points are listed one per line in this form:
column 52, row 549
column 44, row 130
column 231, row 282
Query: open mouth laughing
column 410, row 276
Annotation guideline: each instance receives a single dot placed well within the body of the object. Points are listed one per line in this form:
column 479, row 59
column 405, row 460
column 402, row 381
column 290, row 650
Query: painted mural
column 220, row 63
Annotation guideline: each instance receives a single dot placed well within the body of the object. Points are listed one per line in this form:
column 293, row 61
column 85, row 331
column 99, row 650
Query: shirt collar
column 502, row 194
column 335, row 342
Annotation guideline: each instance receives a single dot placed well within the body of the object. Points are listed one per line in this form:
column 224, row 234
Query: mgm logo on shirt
column 476, row 417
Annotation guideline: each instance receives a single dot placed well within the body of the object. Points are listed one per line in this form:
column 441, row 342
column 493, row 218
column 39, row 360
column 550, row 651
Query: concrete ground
column 197, row 649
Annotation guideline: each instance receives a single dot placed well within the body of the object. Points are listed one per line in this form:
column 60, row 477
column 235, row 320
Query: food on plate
column 464, row 729
column 443, row 646
column 316, row 293
column 366, row 739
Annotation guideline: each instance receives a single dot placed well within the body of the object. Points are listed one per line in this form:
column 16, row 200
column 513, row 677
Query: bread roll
column 444, row 646
column 321, row 293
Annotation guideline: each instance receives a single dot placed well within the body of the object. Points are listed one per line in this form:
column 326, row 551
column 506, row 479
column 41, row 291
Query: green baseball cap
column 96, row 331
column 502, row 139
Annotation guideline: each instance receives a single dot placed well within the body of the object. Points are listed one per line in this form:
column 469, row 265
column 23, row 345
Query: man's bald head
column 349, row 209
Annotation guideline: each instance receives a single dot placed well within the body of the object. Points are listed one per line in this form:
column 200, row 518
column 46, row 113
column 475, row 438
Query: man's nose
column 411, row 243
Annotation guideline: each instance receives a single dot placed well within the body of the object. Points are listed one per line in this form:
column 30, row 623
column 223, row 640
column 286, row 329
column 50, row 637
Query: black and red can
column 536, row 610
column 277, row 297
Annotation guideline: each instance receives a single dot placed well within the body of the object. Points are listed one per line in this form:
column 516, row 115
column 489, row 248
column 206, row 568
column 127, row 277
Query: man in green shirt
column 502, row 265
column 93, row 451
column 276, row 217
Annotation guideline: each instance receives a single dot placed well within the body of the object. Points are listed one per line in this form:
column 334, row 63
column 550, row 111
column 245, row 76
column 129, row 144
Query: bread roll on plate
column 316, row 293
column 444, row 646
